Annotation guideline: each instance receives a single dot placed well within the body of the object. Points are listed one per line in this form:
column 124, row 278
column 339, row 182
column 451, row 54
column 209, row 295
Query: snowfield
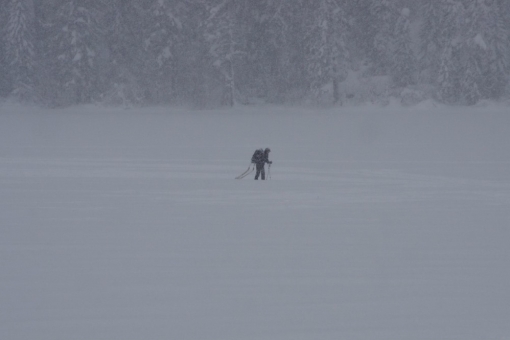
column 377, row 223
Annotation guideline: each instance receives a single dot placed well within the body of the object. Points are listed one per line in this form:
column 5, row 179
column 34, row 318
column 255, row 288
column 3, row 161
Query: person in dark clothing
column 260, row 164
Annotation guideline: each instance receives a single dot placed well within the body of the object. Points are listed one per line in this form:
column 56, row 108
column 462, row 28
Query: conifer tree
column 364, row 29
column 275, row 54
column 193, row 67
column 404, row 61
column 470, row 92
column 19, row 48
column 123, row 35
column 448, row 82
column 162, row 39
column 487, row 35
column 430, row 39
column 266, row 42
column 451, row 45
column 383, row 16
column 327, row 50
column 223, row 34
column 73, row 49
column 5, row 83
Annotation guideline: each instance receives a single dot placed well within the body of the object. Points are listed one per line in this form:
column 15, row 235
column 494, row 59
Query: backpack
column 258, row 156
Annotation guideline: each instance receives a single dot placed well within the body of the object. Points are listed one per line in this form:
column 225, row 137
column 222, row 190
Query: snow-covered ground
column 377, row 223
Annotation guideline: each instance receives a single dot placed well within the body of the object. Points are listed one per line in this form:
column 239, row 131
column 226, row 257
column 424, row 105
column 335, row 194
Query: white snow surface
column 377, row 223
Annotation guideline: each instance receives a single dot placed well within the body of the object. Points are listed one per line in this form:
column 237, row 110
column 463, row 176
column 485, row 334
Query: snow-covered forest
column 212, row 53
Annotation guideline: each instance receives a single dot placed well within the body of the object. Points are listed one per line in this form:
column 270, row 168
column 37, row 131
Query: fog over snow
column 376, row 223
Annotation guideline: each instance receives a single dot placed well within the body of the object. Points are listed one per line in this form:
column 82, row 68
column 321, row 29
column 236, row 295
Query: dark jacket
column 265, row 159
column 261, row 157
column 260, row 162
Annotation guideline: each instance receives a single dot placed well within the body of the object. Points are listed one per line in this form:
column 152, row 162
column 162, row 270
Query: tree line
column 222, row 52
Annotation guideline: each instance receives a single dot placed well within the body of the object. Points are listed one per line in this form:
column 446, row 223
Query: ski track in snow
column 131, row 226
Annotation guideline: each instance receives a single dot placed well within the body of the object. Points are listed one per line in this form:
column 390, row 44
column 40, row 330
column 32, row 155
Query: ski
column 246, row 173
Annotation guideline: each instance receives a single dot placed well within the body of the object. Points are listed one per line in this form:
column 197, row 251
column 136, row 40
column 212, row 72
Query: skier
column 260, row 159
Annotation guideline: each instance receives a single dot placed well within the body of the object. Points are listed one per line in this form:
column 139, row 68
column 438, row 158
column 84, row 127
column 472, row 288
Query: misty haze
column 384, row 213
